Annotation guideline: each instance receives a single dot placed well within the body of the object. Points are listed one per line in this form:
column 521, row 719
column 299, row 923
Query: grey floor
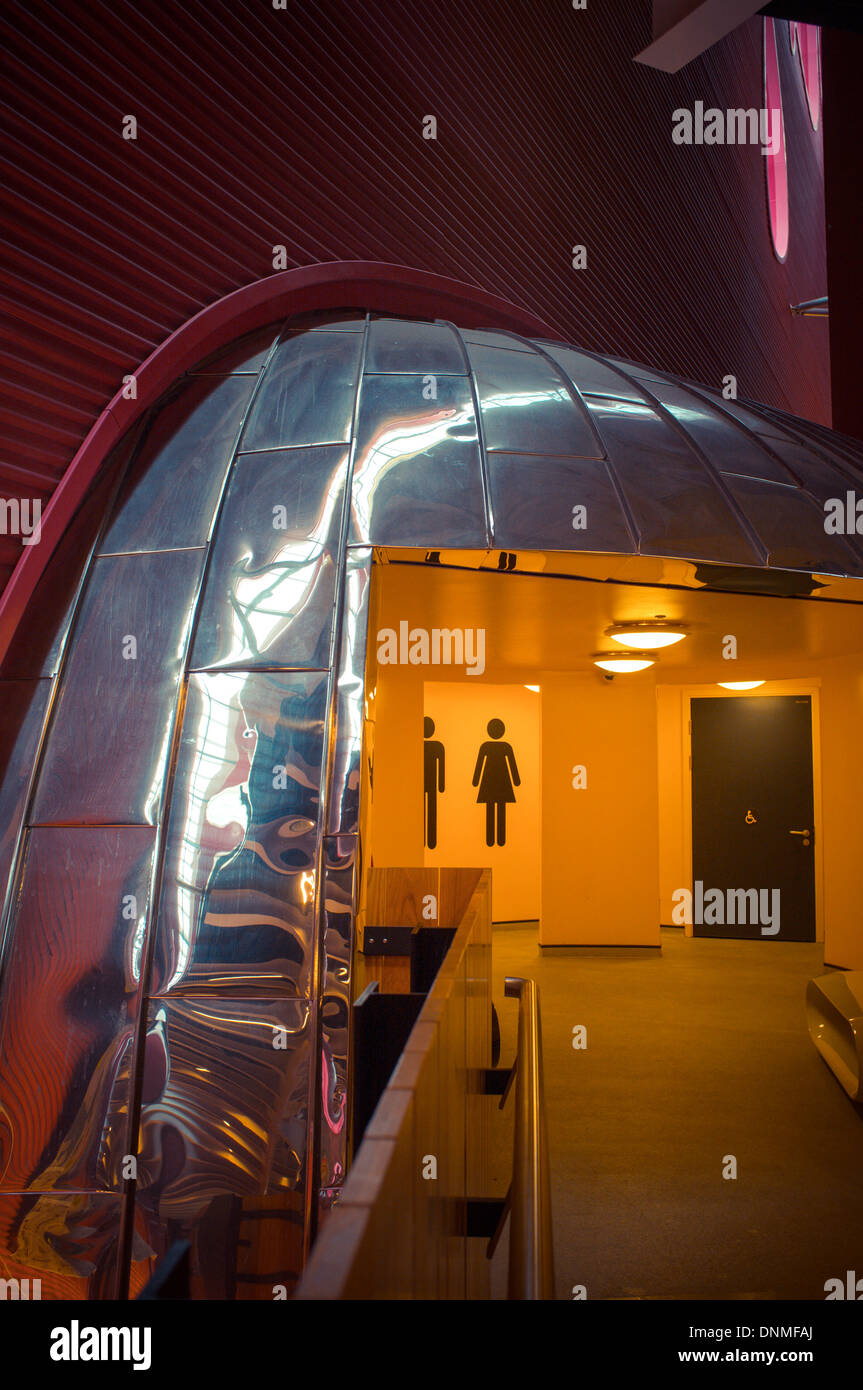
column 693, row 1053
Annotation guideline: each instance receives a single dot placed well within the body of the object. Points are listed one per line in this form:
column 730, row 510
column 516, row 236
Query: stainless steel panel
column 22, row 710
column 528, row 406
column 532, row 501
column 417, row 476
column 270, row 589
column 307, row 393
column 678, row 509
column 791, row 526
column 817, row 474
column 728, row 448
column 37, row 643
column 339, row 900
column 69, row 1006
column 67, row 1241
column 590, row 376
column 344, row 791
column 636, row 370
column 244, row 357
column 169, row 499
column 222, row 1145
column 481, row 337
column 818, row 468
column 402, row 346
column 111, row 724
column 237, row 909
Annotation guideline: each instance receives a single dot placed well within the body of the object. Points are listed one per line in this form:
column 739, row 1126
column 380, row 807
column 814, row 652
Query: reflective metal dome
column 181, row 864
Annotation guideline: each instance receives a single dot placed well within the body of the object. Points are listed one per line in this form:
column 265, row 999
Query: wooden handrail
column 531, row 1253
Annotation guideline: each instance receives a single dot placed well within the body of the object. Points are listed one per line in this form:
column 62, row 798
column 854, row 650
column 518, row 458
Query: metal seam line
column 129, row 1196
column 315, row 1066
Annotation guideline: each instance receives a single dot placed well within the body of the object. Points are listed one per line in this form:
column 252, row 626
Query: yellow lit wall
column 461, row 711
column 600, row 844
column 611, row 856
column 842, row 758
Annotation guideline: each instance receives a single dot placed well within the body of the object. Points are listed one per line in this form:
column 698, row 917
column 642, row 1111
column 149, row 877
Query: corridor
column 694, row 1054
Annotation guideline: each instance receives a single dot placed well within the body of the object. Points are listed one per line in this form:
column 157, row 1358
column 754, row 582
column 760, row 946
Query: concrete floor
column 693, row 1053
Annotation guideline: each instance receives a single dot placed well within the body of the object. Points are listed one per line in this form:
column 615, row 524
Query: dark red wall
column 303, row 127
column 843, row 118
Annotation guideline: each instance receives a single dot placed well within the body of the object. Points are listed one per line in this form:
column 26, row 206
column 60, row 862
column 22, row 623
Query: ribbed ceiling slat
column 303, row 128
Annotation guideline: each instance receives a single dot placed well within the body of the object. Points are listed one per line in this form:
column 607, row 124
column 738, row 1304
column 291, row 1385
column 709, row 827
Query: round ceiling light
column 624, row 665
column 739, row 685
column 649, row 635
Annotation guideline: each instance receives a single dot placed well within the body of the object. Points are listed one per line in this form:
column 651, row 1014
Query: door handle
column 798, row 832
column 807, row 835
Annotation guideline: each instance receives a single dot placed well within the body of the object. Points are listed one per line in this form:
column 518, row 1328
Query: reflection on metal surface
column 729, row 449
column 253, row 928
column 111, row 725
column 399, row 345
column 307, row 396
column 535, row 500
column 417, row 474
column 168, row 500
column 68, row 1241
column 222, row 1139
column 339, row 895
column 22, row 710
column 487, row 338
column 344, row 790
column 237, row 906
column 70, row 1000
column 527, row 406
column 244, row 357
column 677, row 506
column 270, row 589
column 592, row 376
column 791, row 526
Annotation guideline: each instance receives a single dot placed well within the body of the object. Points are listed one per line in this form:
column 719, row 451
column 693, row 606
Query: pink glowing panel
column 806, row 42
column 777, row 169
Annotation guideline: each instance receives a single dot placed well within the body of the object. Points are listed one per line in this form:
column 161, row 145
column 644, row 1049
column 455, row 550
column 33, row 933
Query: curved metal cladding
column 183, row 721
column 548, row 135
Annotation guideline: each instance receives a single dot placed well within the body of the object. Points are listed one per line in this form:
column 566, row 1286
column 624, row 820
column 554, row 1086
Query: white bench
column 834, row 1013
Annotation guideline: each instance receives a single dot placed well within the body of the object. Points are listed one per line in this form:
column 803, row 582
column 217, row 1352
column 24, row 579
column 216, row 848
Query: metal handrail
column 531, row 1253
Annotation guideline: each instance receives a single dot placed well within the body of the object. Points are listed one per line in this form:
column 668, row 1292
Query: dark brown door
column 752, row 818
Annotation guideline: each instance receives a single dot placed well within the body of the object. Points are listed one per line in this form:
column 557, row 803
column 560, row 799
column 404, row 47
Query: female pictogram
column 495, row 773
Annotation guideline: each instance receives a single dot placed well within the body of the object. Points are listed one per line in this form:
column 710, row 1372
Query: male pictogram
column 433, row 780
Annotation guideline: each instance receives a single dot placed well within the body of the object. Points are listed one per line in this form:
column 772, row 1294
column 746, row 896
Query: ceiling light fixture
column 624, row 665
column 649, row 635
column 739, row 685
column 532, row 687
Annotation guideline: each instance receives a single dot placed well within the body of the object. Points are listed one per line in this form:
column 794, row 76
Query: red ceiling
column 302, row 127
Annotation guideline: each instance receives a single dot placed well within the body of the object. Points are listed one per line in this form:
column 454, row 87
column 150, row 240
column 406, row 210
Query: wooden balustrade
column 400, row 1228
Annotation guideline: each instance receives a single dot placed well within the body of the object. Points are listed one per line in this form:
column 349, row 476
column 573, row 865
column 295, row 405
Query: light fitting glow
column 532, row 687
column 739, row 685
column 647, row 636
column 623, row 665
